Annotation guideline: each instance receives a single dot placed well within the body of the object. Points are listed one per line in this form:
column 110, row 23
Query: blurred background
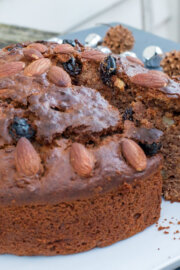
column 160, row 17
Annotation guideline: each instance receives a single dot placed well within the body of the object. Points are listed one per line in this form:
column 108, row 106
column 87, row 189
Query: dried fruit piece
column 37, row 67
column 128, row 114
column 151, row 149
column 135, row 60
column 63, row 48
column 81, row 159
column 58, row 76
column 107, row 69
column 149, row 80
column 27, row 160
column 134, row 154
column 119, row 84
column 69, row 41
column 13, row 46
column 93, row 55
column 38, row 46
column 32, row 54
column 21, row 128
column 11, row 68
column 73, row 67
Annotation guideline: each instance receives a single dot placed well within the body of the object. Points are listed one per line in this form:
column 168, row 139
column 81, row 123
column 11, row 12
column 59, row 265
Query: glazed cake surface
column 73, row 172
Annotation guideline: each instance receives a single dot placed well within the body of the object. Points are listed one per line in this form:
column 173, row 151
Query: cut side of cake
column 149, row 98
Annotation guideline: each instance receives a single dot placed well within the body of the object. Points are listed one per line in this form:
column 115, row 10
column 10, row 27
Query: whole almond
column 11, row 68
column 64, row 48
column 93, row 55
column 81, row 159
column 160, row 73
column 37, row 67
column 27, row 160
column 149, row 79
column 32, row 54
column 59, row 76
column 135, row 60
column 38, row 46
column 134, row 154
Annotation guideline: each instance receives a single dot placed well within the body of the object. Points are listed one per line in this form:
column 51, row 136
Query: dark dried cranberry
column 41, row 41
column 107, row 69
column 128, row 114
column 20, row 128
column 72, row 66
column 69, row 41
column 14, row 46
column 150, row 149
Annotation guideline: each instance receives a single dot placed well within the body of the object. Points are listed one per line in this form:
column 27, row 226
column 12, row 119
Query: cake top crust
column 153, row 79
column 61, row 141
column 59, row 181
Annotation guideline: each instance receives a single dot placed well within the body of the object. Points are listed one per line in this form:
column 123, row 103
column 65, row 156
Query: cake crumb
column 166, row 232
column 170, row 222
column 160, row 228
column 176, row 232
column 178, row 223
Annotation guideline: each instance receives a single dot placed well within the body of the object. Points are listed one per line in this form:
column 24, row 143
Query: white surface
column 127, row 12
column 51, row 15
column 139, row 252
column 159, row 16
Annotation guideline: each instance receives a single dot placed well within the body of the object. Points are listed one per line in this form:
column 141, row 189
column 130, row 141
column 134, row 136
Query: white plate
column 148, row 250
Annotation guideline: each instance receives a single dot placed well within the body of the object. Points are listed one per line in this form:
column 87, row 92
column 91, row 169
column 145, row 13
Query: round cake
column 73, row 172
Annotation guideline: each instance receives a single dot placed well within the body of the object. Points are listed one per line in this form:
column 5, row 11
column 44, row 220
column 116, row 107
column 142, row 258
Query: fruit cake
column 149, row 98
column 73, row 172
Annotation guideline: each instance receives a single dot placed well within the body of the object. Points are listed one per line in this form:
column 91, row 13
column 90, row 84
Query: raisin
column 150, row 149
column 128, row 114
column 107, row 69
column 72, row 66
column 14, row 46
column 42, row 42
column 69, row 41
column 20, row 128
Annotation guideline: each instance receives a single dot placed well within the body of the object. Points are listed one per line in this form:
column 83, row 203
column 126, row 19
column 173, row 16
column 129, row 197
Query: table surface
column 14, row 34
column 142, row 38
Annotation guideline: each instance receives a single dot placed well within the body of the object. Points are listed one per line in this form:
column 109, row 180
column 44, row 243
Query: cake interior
column 135, row 104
